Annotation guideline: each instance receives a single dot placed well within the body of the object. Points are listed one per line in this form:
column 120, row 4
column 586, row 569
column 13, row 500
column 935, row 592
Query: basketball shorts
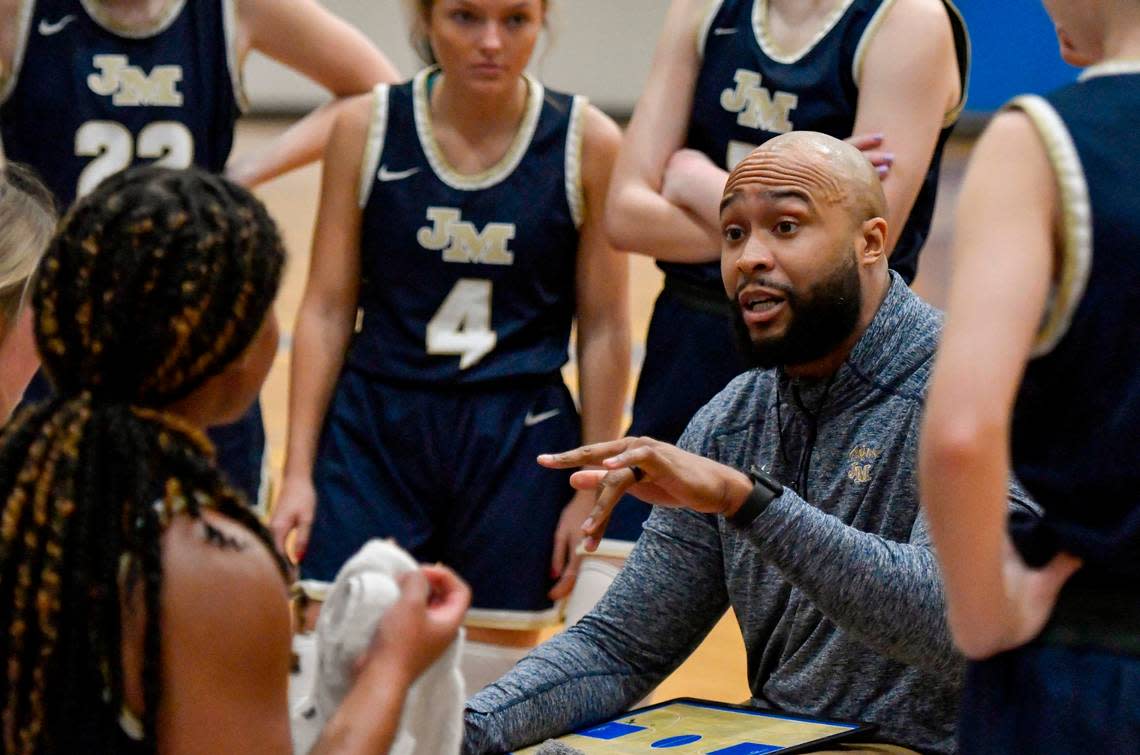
column 690, row 356
column 450, row 474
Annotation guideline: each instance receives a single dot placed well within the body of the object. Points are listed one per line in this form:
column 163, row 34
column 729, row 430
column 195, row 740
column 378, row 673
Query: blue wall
column 1015, row 51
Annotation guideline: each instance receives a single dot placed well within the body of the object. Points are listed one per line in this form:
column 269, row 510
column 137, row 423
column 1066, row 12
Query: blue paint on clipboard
column 612, row 730
column 684, row 739
column 747, row 748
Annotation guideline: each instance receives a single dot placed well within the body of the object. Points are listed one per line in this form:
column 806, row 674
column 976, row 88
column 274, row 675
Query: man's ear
column 873, row 237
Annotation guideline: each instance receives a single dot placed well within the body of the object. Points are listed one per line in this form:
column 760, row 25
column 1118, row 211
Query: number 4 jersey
column 86, row 99
column 467, row 278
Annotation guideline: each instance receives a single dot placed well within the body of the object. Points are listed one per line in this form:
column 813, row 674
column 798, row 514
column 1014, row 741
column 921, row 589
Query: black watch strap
column 765, row 489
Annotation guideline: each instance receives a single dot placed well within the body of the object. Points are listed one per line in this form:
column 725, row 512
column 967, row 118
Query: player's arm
column 638, row 215
column 226, row 640
column 1003, row 270
column 9, row 33
column 908, row 84
column 304, row 36
column 602, row 289
column 325, row 319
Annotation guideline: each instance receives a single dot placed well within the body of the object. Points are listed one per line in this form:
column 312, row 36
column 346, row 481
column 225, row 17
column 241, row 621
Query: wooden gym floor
column 717, row 669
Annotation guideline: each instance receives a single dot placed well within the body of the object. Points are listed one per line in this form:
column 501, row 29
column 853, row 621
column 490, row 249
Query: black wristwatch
column 765, row 489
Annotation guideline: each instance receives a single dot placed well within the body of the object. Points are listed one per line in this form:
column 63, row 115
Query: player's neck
column 476, row 114
column 792, row 24
column 133, row 14
column 1122, row 39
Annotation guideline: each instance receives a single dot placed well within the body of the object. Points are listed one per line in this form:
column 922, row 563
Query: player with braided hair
column 125, row 556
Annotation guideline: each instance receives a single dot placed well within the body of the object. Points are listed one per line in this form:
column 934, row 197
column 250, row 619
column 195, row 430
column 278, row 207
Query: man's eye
column 463, row 16
column 517, row 21
column 784, row 227
column 733, row 233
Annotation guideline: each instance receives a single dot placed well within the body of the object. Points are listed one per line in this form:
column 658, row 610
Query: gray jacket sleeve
column 889, row 595
column 886, row 594
column 664, row 601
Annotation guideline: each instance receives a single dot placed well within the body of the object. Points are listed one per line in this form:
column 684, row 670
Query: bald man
column 792, row 495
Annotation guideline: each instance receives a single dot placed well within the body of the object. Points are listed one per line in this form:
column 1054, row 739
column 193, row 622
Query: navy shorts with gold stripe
column 450, row 474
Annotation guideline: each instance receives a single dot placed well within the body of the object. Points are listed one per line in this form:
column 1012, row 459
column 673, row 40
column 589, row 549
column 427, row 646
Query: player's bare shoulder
column 220, row 572
column 923, row 22
column 11, row 11
column 601, row 137
column 921, row 36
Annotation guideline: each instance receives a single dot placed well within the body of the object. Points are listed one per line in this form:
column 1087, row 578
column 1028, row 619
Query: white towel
column 432, row 721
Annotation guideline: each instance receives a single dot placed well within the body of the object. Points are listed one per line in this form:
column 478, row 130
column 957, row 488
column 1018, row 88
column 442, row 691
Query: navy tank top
column 468, row 278
column 1076, row 423
column 88, row 100
column 747, row 93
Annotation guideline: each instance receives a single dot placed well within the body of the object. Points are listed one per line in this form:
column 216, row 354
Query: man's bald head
column 830, row 171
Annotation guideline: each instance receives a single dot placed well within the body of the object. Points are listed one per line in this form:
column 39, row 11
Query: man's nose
column 755, row 257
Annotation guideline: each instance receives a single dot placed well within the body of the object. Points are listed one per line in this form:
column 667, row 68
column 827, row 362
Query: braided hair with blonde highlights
column 153, row 284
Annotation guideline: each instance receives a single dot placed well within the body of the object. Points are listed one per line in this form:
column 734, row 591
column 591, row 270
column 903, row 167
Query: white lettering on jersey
column 757, row 107
column 130, row 86
column 461, row 242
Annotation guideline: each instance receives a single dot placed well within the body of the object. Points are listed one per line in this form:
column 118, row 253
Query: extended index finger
column 591, row 454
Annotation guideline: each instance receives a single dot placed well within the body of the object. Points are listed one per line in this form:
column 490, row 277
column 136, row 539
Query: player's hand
column 655, row 472
column 294, row 513
column 1033, row 592
column 422, row 623
column 566, row 559
column 871, row 147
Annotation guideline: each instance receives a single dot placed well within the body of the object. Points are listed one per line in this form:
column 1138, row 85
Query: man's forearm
column 662, row 604
column 887, row 594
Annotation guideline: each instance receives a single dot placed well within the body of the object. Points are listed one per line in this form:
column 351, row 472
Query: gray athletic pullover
column 839, row 600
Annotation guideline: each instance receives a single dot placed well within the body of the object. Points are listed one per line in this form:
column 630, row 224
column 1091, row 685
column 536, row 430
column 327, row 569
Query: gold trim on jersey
column 23, row 29
column 967, row 59
column 769, row 46
column 705, row 27
column 374, row 145
column 961, row 56
column 233, row 59
column 1121, row 67
column 496, row 173
column 489, row 618
column 104, row 19
column 575, row 196
column 1075, row 229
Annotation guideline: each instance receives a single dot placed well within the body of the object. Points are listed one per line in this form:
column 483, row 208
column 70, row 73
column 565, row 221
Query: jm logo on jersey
column 758, row 107
column 460, row 242
column 130, row 86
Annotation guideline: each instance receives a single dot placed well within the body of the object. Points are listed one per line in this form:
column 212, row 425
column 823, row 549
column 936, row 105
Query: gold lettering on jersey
column 130, row 86
column 756, row 105
column 461, row 242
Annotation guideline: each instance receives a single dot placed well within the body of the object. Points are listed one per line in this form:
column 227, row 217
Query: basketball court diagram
column 699, row 729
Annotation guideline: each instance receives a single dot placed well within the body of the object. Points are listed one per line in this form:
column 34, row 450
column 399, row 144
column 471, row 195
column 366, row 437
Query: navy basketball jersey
column 468, row 278
column 747, row 92
column 87, row 100
column 1076, row 424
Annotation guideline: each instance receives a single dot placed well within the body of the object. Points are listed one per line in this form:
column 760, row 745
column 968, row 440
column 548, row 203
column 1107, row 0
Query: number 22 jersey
column 467, row 278
column 87, row 99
